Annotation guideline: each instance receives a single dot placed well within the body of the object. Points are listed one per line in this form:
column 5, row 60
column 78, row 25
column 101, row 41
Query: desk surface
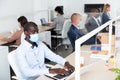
column 98, row 71
column 7, row 34
column 44, row 28
column 71, row 56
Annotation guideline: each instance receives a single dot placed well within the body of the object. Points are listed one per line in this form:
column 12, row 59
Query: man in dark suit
column 94, row 20
column 74, row 32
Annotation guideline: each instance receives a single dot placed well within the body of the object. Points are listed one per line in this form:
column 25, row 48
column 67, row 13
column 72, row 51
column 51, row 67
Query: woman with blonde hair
column 106, row 17
column 106, row 14
column 106, row 8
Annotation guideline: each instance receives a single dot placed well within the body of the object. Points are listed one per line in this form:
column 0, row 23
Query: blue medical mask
column 97, row 15
column 34, row 37
column 79, row 24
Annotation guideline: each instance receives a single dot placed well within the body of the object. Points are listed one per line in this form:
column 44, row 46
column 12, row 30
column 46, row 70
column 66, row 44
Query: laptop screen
column 43, row 21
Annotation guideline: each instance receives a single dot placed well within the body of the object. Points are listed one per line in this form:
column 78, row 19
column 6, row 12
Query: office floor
column 62, row 51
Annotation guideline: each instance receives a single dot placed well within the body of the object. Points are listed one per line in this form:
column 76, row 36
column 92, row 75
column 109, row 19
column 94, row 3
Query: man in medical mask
column 31, row 53
column 74, row 32
column 94, row 21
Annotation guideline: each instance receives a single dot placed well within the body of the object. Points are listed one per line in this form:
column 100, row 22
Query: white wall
column 71, row 6
column 36, row 9
column 40, row 8
column 11, row 10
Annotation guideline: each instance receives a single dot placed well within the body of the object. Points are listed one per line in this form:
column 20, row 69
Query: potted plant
column 117, row 71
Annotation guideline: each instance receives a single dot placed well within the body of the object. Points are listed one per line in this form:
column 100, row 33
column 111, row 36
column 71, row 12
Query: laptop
column 43, row 21
column 58, row 76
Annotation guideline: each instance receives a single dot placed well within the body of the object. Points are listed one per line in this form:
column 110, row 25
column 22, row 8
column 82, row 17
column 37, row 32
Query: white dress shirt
column 31, row 60
column 96, row 19
column 22, row 37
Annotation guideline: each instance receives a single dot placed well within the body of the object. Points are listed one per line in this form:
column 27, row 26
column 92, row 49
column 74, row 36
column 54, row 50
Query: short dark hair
column 59, row 10
column 30, row 24
column 23, row 20
column 94, row 10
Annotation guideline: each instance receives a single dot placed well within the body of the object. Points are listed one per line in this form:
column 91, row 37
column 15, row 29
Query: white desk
column 68, row 58
column 44, row 28
column 4, row 65
column 5, row 34
column 45, row 34
column 96, row 71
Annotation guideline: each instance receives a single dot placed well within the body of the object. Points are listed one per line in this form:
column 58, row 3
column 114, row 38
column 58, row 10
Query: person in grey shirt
column 58, row 21
column 31, row 53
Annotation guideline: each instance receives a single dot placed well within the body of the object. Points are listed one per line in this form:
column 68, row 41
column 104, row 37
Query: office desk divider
column 79, row 41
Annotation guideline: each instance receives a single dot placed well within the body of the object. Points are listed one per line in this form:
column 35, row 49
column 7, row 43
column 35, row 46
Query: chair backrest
column 13, row 63
column 84, row 19
column 83, row 27
column 66, row 27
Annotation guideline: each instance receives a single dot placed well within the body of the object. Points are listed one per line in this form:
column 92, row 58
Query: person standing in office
column 74, row 32
column 94, row 21
column 15, row 38
column 31, row 53
column 106, row 17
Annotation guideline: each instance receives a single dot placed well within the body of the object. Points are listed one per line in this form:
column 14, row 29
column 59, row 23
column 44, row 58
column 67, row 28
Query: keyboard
column 58, row 76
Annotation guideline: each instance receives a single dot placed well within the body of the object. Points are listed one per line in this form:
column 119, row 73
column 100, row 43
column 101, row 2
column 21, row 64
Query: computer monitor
column 88, row 7
column 43, row 21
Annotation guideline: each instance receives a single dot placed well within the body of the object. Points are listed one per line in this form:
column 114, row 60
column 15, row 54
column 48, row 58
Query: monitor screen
column 43, row 21
column 88, row 7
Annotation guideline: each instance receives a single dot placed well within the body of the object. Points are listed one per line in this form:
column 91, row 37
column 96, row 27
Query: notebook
column 58, row 76
column 98, row 48
column 43, row 21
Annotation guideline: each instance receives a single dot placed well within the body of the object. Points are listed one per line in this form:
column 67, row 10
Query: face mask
column 56, row 14
column 79, row 24
column 97, row 15
column 34, row 37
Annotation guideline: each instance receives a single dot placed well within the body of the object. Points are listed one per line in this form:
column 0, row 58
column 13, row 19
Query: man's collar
column 27, row 44
column 75, row 26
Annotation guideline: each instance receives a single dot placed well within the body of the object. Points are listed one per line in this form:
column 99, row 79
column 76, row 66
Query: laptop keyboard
column 62, row 76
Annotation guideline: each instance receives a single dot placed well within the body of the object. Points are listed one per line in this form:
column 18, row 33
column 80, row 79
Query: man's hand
column 69, row 67
column 58, row 71
column 48, row 24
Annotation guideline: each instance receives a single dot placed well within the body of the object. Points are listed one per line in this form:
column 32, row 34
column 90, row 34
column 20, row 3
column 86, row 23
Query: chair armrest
column 15, row 77
column 13, row 46
column 56, row 36
column 57, row 29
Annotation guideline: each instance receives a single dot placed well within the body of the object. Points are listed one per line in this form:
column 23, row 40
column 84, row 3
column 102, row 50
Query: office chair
column 83, row 29
column 64, row 38
column 13, row 64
